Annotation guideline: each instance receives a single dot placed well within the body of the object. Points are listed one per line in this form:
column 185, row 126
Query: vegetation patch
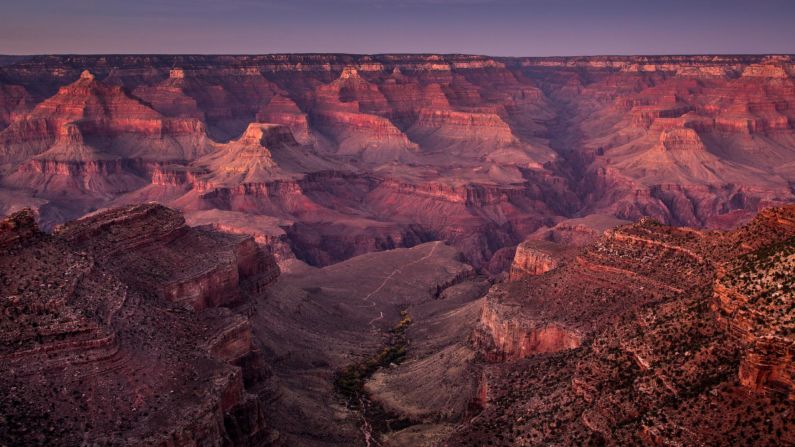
column 350, row 381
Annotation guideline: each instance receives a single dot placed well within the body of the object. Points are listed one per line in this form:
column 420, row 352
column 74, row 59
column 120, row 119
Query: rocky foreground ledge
column 652, row 335
column 116, row 330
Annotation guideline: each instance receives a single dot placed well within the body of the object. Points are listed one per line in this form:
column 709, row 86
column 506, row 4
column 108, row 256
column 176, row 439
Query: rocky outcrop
column 749, row 298
column 502, row 338
column 198, row 268
column 441, row 128
column 18, row 227
column 681, row 140
column 474, row 150
column 768, row 366
column 533, row 258
column 700, row 360
column 114, row 360
column 535, row 312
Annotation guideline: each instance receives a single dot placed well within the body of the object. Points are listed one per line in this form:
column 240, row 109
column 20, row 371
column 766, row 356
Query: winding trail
column 389, row 278
column 400, row 270
column 366, row 428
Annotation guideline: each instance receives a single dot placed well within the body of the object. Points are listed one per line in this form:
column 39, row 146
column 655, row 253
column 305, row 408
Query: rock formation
column 638, row 336
column 160, row 332
column 400, row 149
column 108, row 334
column 534, row 258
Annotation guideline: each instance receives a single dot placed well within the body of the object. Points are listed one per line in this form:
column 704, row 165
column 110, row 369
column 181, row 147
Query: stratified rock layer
column 652, row 335
column 111, row 332
column 351, row 154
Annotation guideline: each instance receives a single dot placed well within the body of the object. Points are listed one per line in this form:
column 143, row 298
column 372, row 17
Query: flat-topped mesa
column 683, row 139
column 268, row 135
column 445, row 127
column 775, row 71
column 578, row 232
column 373, row 137
column 124, row 229
column 157, row 251
column 505, row 334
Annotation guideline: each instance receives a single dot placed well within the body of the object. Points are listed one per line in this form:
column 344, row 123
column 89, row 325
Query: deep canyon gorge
column 397, row 250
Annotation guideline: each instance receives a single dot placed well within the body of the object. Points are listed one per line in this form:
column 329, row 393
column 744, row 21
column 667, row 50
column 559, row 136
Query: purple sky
column 493, row 27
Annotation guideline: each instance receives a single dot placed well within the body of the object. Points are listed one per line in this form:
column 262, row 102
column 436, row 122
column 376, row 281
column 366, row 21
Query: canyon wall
column 683, row 336
column 400, row 149
column 123, row 350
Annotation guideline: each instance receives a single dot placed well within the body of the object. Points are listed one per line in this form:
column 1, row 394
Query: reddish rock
column 485, row 151
column 534, row 258
column 84, row 313
column 685, row 337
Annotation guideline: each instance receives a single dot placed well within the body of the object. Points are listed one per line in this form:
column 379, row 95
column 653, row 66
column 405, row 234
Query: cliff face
column 534, row 258
column 651, row 335
column 122, row 354
column 183, row 265
column 480, row 152
column 751, row 298
column 505, row 336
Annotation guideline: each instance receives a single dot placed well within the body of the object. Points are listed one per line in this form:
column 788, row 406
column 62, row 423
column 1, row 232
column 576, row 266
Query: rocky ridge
column 480, row 152
column 98, row 343
column 677, row 321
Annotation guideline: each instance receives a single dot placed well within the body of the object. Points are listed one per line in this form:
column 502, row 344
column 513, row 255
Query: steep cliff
column 117, row 356
column 477, row 151
column 682, row 337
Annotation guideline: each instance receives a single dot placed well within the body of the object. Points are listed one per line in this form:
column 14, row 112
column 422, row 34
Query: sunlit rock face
column 395, row 150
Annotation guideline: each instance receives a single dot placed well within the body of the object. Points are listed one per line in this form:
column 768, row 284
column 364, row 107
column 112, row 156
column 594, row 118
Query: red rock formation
column 533, row 258
column 443, row 128
column 112, row 360
column 502, row 337
column 209, row 279
column 282, row 110
column 750, row 299
column 690, row 140
column 706, row 321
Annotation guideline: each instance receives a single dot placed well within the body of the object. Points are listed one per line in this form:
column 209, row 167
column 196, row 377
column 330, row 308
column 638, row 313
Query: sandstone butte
column 321, row 250
column 346, row 154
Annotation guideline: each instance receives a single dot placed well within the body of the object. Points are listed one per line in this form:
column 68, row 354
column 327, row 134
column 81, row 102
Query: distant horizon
column 499, row 28
column 343, row 53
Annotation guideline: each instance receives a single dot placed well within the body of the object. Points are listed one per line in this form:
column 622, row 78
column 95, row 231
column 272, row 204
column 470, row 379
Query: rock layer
column 480, row 152
column 95, row 345
column 685, row 337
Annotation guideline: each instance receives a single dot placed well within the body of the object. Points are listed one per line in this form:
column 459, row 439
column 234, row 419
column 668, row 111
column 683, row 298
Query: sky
column 491, row 27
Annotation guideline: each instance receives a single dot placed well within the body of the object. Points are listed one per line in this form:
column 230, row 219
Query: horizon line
column 331, row 53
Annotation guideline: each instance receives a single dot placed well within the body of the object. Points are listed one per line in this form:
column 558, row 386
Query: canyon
column 347, row 154
column 397, row 250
